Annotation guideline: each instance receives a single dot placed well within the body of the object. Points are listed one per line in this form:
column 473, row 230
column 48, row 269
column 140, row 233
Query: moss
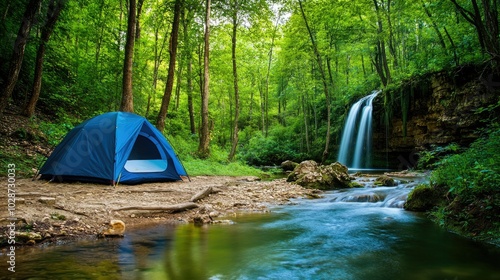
column 355, row 185
column 423, row 198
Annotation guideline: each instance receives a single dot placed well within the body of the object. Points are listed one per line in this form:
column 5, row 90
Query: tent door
column 146, row 156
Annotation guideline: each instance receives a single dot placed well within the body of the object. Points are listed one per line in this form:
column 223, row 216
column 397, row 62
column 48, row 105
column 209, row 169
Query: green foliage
column 25, row 164
column 216, row 164
column 55, row 132
column 473, row 172
column 280, row 145
column 432, row 158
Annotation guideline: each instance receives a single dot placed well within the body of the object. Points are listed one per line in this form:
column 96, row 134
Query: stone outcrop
column 310, row 174
column 441, row 108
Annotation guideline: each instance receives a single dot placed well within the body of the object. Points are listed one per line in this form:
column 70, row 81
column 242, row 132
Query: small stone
column 20, row 200
column 117, row 228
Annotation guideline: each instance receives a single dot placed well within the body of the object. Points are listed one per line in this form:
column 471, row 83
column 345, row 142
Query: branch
column 202, row 194
column 174, row 207
column 469, row 16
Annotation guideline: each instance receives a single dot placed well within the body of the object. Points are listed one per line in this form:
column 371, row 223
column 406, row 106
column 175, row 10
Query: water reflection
column 315, row 239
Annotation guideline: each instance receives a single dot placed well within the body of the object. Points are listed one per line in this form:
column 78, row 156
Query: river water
column 354, row 234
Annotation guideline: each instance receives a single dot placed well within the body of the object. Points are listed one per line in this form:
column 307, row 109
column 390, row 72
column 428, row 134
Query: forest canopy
column 276, row 77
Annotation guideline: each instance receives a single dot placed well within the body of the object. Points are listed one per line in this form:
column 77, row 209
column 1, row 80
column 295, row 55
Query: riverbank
column 48, row 212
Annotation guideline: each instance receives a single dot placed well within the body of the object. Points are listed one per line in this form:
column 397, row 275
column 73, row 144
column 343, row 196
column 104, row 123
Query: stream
column 351, row 234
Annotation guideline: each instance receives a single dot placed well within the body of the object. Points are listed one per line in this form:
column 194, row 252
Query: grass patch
column 199, row 167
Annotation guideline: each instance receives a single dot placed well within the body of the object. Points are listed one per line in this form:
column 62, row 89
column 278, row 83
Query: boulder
column 385, row 180
column 325, row 177
column 422, row 198
column 288, row 165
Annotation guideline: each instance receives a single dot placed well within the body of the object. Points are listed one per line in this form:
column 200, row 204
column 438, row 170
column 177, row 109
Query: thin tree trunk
column 392, row 44
column 325, row 86
column 178, row 84
column 306, row 120
column 381, row 63
column 363, row 65
column 190, row 94
column 434, row 26
column 127, row 104
column 189, row 74
column 454, row 48
column 266, row 93
column 55, row 8
column 160, row 120
column 235, row 84
column 203, row 148
column 17, row 57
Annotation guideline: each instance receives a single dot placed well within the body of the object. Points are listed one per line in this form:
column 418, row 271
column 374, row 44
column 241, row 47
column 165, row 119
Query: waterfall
column 356, row 142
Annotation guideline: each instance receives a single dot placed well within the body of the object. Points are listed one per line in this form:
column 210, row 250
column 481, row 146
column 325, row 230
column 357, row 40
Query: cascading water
column 356, row 142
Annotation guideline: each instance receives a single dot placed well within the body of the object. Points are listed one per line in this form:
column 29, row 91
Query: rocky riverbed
column 49, row 212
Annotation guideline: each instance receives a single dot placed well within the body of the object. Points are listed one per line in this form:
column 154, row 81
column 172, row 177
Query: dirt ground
column 45, row 212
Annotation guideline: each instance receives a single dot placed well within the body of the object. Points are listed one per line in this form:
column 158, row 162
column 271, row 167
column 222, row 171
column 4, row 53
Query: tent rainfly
column 115, row 147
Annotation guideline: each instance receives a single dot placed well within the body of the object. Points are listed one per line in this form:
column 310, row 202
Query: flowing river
column 353, row 234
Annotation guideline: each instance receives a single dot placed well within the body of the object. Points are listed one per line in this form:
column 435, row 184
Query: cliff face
column 438, row 109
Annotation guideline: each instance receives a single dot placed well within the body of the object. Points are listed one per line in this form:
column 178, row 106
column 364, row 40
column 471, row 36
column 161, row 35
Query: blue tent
column 115, row 147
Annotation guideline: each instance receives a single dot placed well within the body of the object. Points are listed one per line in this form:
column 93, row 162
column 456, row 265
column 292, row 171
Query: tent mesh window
column 145, row 157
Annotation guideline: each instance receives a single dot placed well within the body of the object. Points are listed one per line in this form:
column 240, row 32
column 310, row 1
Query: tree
column 53, row 12
column 324, row 82
column 485, row 23
column 234, row 18
column 18, row 53
column 380, row 59
column 160, row 120
column 127, row 104
column 203, row 148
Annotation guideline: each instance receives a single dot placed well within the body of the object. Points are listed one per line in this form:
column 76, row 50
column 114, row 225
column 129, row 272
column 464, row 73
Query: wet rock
column 385, row 180
column 27, row 236
column 202, row 219
column 224, row 222
column 288, row 165
column 310, row 174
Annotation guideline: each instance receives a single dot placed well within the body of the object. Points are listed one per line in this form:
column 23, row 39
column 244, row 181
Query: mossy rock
column 385, row 180
column 422, row 198
column 310, row 174
column 288, row 165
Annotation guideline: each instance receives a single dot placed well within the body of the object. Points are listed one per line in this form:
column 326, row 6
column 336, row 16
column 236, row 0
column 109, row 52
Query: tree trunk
column 235, row 84
column 434, row 25
column 381, row 64
column 160, row 120
column 16, row 60
column 203, row 148
column 127, row 104
column 190, row 94
column 55, row 8
column 454, row 48
column 178, row 83
column 392, row 44
column 487, row 29
column 325, row 85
